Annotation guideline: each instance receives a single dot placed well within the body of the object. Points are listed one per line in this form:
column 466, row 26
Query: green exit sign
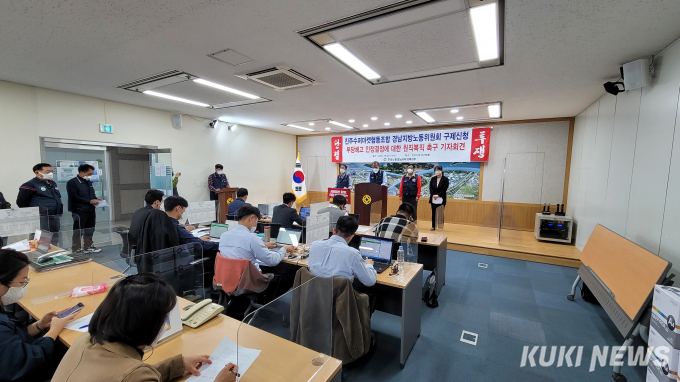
column 108, row 129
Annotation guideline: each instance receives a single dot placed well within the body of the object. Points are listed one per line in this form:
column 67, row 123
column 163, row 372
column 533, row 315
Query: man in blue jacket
column 241, row 198
column 82, row 202
column 42, row 192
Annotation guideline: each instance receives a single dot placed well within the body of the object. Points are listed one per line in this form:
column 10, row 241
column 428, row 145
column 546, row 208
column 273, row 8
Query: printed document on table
column 20, row 246
column 81, row 324
column 224, row 354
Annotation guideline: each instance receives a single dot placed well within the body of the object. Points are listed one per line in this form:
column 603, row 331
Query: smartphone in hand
column 77, row 308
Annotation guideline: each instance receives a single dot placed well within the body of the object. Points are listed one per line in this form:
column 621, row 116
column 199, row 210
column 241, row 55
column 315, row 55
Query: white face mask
column 13, row 295
column 48, row 176
column 438, row 173
column 88, row 177
column 220, row 172
column 160, row 333
column 375, row 170
column 410, row 171
column 342, row 170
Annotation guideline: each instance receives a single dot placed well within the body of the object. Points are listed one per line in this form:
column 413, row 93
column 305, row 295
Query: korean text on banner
column 451, row 145
column 339, row 191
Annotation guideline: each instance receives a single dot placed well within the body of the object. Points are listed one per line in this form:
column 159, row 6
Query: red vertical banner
column 336, row 149
column 479, row 149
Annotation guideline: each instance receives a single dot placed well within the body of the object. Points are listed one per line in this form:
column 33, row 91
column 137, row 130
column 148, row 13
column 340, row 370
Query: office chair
column 127, row 251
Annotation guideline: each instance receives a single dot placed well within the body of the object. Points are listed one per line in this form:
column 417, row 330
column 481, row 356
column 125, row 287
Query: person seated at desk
column 336, row 210
column 175, row 206
column 242, row 243
column 131, row 317
column 27, row 353
column 241, row 197
column 154, row 200
column 285, row 214
column 335, row 258
column 399, row 227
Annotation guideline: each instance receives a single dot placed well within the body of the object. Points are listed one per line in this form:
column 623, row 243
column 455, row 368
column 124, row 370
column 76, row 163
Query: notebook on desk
column 377, row 249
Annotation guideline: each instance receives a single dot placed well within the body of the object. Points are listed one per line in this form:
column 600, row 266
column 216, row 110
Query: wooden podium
column 224, row 197
column 366, row 194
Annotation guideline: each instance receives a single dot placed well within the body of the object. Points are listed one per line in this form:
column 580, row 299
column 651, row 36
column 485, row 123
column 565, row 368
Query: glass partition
column 376, row 213
column 318, row 204
column 410, row 251
column 303, row 315
column 439, row 218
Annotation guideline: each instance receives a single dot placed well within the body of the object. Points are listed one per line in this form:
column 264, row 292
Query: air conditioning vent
column 157, row 80
column 280, row 78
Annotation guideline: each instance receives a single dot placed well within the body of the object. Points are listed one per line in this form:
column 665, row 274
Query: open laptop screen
column 289, row 236
column 216, row 229
column 376, row 248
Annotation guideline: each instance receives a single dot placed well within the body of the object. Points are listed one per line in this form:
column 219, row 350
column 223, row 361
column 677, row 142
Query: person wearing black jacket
column 157, row 232
column 285, row 214
column 42, row 192
column 154, row 201
column 439, row 185
column 82, row 202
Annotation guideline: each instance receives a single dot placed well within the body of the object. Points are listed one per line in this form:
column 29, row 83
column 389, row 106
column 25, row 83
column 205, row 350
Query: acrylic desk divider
column 302, row 315
column 376, row 213
column 318, row 228
column 439, row 218
column 410, row 251
column 318, row 204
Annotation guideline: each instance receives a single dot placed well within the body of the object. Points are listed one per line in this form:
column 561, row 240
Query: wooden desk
column 401, row 298
column 431, row 253
column 280, row 360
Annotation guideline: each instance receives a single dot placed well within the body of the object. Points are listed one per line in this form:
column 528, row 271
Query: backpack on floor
column 588, row 296
column 429, row 295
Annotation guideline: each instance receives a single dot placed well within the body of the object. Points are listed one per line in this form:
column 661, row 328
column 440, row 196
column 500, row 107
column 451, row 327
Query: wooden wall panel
column 520, row 216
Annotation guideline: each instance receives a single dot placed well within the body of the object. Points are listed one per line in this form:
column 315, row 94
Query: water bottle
column 400, row 261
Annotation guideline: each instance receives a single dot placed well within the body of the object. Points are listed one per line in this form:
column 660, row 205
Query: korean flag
column 299, row 187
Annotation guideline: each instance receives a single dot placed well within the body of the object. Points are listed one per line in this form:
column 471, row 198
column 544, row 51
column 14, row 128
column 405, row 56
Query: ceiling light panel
column 298, row 127
column 407, row 42
column 347, row 57
column 225, row 88
column 466, row 113
column 485, row 26
column 174, row 98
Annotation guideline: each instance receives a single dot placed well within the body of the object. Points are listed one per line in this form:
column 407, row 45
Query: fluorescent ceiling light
column 409, row 122
column 460, row 118
column 374, row 118
column 365, row 125
column 397, row 116
column 311, row 124
column 495, row 111
column 351, row 121
column 224, row 88
column 340, row 124
column 167, row 96
column 344, row 55
column 485, row 29
column 387, row 123
column 328, row 128
column 454, row 111
column 300, row 127
column 426, row 117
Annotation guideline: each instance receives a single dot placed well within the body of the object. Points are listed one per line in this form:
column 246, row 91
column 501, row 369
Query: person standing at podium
column 217, row 181
column 343, row 181
column 439, row 185
column 409, row 189
column 377, row 176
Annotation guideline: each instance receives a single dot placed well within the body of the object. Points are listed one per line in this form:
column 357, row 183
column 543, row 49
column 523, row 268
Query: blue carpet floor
column 510, row 304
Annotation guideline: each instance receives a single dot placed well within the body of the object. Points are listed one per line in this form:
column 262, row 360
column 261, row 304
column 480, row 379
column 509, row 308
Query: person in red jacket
column 409, row 189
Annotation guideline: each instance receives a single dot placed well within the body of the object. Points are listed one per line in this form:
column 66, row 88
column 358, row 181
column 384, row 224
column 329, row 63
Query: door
column 65, row 160
column 160, row 161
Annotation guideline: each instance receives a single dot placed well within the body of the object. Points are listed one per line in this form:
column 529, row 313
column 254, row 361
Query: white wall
column 537, row 156
column 623, row 171
column 257, row 159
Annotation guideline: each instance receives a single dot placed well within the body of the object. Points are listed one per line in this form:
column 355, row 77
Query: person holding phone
column 131, row 317
column 27, row 353
column 439, row 185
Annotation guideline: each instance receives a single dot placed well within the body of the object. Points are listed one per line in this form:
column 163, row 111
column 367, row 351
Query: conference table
column 279, row 360
column 399, row 297
column 431, row 253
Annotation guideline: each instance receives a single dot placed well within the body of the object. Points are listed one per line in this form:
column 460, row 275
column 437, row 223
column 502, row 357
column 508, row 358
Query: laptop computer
column 356, row 216
column 288, row 237
column 305, row 211
column 217, row 229
column 264, row 208
column 377, row 249
column 44, row 244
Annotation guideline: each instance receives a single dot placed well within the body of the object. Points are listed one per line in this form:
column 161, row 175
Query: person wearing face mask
column 377, row 176
column 42, row 192
column 217, row 181
column 439, row 185
column 343, row 180
column 409, row 189
column 82, row 202
column 240, row 201
column 286, row 214
column 399, row 227
column 243, row 243
column 27, row 353
column 153, row 200
column 131, row 317
column 175, row 206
